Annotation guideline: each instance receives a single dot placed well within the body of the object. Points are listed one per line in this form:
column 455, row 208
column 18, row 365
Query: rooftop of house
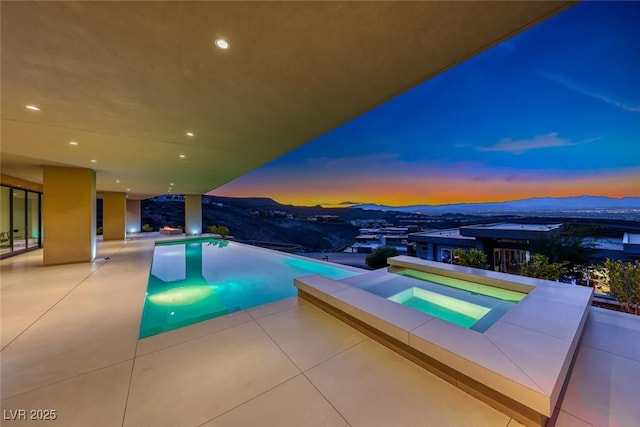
column 69, row 342
column 507, row 226
column 631, row 238
column 450, row 233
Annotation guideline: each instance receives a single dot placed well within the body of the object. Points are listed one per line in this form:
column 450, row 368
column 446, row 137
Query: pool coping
column 520, row 363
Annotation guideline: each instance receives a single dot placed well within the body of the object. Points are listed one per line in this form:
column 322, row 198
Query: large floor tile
column 603, row 389
column 191, row 383
column 36, row 360
column 188, row 333
column 18, row 271
column 613, row 332
column 568, row 420
column 13, row 325
column 372, row 386
column 41, row 291
column 95, row 399
column 275, row 307
column 81, row 311
column 309, row 335
column 294, row 403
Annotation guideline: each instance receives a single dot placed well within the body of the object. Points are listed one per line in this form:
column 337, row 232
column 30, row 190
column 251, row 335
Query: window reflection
column 5, row 220
column 20, row 220
column 19, row 224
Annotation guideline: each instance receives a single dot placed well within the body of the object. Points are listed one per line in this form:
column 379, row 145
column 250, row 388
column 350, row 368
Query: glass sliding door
column 5, row 221
column 20, row 220
column 19, row 215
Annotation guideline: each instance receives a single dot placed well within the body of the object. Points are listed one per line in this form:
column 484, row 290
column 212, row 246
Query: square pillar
column 193, row 214
column 133, row 216
column 68, row 215
column 113, row 215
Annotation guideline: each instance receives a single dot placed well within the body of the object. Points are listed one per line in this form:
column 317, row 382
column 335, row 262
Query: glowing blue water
column 196, row 280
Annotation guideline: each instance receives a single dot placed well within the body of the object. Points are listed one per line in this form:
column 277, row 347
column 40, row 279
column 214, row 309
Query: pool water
column 491, row 291
column 199, row 279
column 453, row 310
column 467, row 304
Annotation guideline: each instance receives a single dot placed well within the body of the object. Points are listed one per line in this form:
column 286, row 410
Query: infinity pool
column 199, row 279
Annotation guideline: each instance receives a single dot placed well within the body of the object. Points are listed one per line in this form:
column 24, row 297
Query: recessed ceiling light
column 222, row 44
column 32, row 107
column 94, row 161
column 73, row 143
column 182, row 156
column 171, row 184
column 128, row 189
column 117, row 180
column 190, row 134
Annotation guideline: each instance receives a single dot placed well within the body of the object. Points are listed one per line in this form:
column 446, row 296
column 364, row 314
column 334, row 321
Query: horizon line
column 351, row 204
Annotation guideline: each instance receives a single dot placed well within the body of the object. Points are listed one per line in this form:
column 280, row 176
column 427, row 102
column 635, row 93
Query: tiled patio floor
column 69, row 343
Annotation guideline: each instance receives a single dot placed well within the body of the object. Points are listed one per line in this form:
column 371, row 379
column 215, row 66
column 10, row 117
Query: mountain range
column 536, row 204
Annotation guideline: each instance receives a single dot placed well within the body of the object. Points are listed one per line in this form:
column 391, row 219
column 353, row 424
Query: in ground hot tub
column 509, row 342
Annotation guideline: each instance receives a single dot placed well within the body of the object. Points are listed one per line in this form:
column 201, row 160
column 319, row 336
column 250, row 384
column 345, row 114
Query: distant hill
column 265, row 203
column 536, row 204
column 263, row 219
column 255, row 219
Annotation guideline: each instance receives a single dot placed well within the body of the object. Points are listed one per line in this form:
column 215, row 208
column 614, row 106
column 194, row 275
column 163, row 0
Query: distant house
column 371, row 239
column 368, row 222
column 631, row 244
column 169, row 198
column 626, row 248
column 507, row 245
column 325, row 218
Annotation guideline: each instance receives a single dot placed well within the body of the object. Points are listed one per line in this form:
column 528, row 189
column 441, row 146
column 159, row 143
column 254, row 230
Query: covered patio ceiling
column 126, row 81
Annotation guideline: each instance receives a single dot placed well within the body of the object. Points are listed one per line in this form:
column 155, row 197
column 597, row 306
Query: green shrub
column 99, row 230
column 473, row 258
column 378, row 258
column 624, row 283
column 222, row 230
column 540, row 268
column 147, row 228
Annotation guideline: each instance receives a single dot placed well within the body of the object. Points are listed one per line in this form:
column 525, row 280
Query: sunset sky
column 554, row 111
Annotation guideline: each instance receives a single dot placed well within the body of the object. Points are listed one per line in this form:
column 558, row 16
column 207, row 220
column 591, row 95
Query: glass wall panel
column 33, row 220
column 5, row 220
column 19, row 220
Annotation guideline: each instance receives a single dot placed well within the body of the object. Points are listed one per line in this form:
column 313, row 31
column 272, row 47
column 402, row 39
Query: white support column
column 113, row 215
column 133, row 216
column 69, row 215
